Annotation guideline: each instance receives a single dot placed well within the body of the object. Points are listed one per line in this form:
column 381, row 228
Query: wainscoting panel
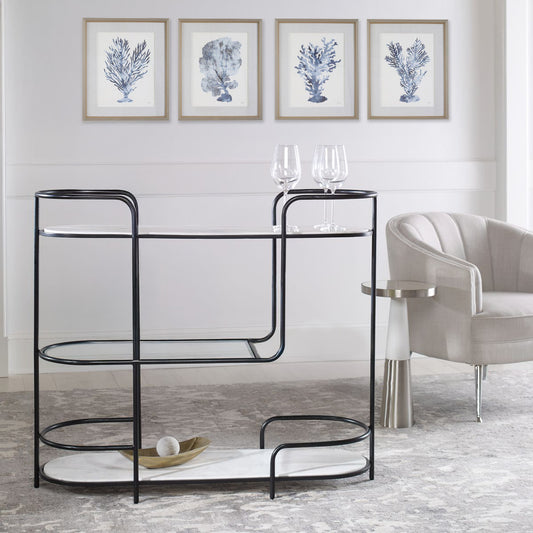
column 217, row 286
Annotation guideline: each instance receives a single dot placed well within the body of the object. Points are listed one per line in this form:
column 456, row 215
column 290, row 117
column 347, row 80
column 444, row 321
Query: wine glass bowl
column 286, row 171
column 338, row 182
column 343, row 169
column 328, row 165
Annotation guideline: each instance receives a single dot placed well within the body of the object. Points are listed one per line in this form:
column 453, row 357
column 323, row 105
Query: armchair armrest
column 458, row 282
column 438, row 326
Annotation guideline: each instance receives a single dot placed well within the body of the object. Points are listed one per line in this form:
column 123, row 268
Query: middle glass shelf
column 154, row 352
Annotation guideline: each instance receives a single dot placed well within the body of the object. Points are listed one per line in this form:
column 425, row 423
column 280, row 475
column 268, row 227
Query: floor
column 446, row 473
column 224, row 374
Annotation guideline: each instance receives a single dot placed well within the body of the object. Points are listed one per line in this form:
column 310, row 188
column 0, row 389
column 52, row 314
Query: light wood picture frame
column 220, row 69
column 316, row 69
column 407, row 69
column 125, row 75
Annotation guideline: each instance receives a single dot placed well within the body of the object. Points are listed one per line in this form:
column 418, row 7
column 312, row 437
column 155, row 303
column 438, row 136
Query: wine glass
column 325, row 171
column 337, row 183
column 286, row 171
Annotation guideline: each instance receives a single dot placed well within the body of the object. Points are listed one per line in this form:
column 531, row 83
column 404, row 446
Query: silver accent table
column 397, row 401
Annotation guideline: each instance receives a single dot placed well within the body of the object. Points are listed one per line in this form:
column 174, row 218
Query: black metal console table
column 101, row 464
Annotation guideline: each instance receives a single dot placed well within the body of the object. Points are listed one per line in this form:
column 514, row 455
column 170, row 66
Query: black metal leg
column 273, row 476
column 36, row 477
column 136, row 330
column 272, row 486
column 136, row 430
column 373, row 337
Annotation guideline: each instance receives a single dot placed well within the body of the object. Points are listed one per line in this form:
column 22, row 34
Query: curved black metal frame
column 136, row 360
column 311, row 444
column 84, row 447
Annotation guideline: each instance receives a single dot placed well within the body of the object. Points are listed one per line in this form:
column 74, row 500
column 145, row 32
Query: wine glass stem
column 331, row 210
column 327, row 208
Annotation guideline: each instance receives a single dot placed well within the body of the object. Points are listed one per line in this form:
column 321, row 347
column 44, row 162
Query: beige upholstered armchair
column 483, row 268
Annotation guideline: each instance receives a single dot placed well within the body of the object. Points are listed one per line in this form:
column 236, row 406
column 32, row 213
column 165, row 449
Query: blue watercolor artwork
column 315, row 64
column 124, row 69
column 221, row 59
column 409, row 67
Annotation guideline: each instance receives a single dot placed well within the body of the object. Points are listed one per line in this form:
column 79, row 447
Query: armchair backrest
column 494, row 247
column 462, row 236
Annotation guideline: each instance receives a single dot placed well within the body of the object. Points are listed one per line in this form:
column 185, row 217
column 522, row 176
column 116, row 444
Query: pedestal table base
column 397, row 402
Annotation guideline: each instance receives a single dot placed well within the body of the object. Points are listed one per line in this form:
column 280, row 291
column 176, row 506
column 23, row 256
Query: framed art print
column 407, row 69
column 316, row 69
column 125, row 69
column 219, row 69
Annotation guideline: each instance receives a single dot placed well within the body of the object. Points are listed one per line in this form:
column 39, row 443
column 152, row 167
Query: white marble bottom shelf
column 101, row 467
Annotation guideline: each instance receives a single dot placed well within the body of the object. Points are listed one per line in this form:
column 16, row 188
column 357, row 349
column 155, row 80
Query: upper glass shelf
column 192, row 232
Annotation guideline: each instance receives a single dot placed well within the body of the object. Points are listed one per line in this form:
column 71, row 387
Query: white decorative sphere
column 167, row 446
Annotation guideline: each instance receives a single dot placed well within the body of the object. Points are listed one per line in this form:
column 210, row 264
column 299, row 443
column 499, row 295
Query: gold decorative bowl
column 189, row 449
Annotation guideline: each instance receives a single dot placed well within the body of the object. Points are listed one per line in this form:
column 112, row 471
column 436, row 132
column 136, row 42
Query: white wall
column 3, row 339
column 513, row 81
column 530, row 113
column 217, row 173
column 512, row 120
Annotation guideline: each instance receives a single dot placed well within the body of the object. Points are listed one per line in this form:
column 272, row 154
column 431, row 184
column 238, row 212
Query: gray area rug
column 447, row 473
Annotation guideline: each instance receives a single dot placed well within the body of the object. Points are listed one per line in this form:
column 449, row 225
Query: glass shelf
column 192, row 232
column 157, row 351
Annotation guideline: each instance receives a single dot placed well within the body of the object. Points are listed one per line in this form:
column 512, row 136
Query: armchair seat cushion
column 503, row 331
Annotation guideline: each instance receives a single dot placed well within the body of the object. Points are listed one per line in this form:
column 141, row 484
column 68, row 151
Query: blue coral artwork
column 315, row 69
column 125, row 69
column 407, row 64
column 220, row 62
column 410, row 67
column 316, row 62
column 126, row 65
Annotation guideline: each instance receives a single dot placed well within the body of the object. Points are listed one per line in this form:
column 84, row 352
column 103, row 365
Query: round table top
column 400, row 289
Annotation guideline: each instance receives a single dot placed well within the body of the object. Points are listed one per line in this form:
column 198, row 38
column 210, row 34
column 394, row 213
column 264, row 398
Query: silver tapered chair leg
column 479, row 380
column 485, row 367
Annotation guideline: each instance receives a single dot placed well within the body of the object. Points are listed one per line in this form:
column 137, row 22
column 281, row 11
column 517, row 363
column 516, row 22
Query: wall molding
column 234, row 178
